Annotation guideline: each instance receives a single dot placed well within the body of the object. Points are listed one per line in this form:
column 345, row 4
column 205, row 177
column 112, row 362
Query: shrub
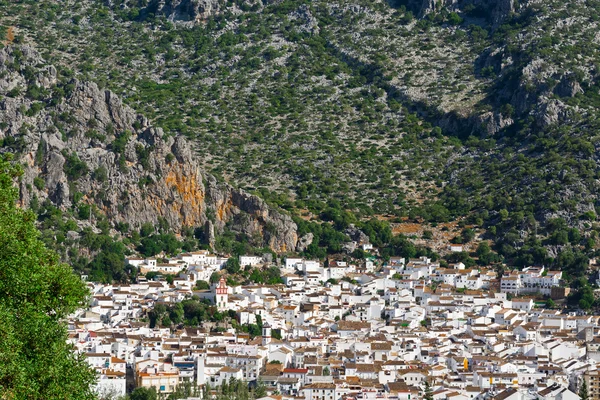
column 39, row 183
column 101, row 174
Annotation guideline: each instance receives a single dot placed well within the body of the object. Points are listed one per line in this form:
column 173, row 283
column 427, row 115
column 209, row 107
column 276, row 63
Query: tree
column 583, row 390
column 202, row 285
column 584, row 296
column 142, row 393
column 359, row 254
column 507, row 110
column 276, row 334
column 560, row 237
column 454, row 19
column 214, row 278
column 483, row 249
column 428, row 393
column 147, row 229
column 467, row 235
column 166, row 321
column 326, row 371
column 233, row 265
column 261, row 390
column 36, row 293
column 149, row 247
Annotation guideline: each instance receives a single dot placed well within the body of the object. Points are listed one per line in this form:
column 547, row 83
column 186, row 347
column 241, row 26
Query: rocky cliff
column 88, row 148
column 179, row 11
column 185, row 10
column 494, row 10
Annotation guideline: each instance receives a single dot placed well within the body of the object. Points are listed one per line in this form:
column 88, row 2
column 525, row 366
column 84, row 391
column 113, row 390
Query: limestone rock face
column 497, row 10
column 550, row 112
column 131, row 171
column 304, row 242
column 185, row 10
column 190, row 12
column 251, row 215
column 310, row 24
column 568, row 87
column 356, row 234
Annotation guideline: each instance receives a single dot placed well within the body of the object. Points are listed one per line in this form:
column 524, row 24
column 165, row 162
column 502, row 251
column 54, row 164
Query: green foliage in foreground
column 236, row 390
column 36, row 293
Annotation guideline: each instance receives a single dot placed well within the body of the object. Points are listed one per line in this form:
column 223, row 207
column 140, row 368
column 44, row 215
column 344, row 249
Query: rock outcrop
column 310, row 24
column 550, row 112
column 92, row 149
column 185, row 10
column 190, row 12
column 568, row 87
column 356, row 234
column 495, row 10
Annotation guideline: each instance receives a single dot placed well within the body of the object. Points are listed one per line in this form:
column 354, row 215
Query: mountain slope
column 464, row 109
column 271, row 107
column 82, row 147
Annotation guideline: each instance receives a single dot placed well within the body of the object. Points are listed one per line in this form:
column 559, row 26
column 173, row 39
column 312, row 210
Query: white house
column 250, row 260
column 320, row 391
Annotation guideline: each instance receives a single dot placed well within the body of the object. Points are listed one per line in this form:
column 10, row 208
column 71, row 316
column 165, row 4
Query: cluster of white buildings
column 530, row 280
column 202, row 258
column 402, row 331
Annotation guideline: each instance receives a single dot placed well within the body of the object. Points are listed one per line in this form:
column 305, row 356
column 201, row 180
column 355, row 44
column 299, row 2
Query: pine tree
column 583, row 390
column 261, row 390
column 428, row 395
